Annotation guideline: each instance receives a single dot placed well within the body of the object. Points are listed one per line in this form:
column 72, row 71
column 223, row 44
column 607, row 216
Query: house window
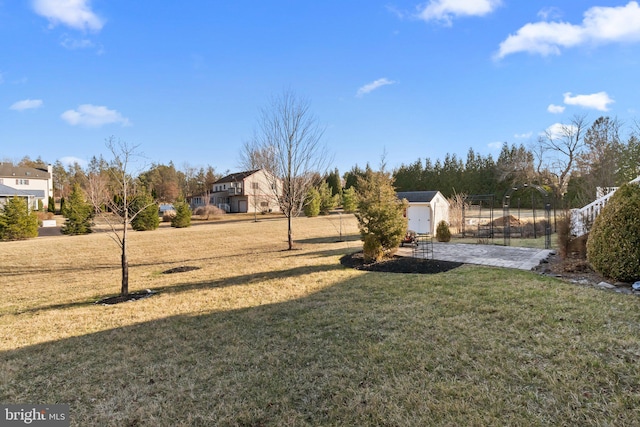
column 1, row 181
column 264, row 204
column 22, row 182
column 255, row 185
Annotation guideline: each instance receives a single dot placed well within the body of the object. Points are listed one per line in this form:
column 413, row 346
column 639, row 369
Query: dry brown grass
column 50, row 284
column 262, row 336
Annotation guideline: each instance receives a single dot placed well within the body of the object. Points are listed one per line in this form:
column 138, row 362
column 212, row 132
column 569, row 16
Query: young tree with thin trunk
column 113, row 199
column 288, row 147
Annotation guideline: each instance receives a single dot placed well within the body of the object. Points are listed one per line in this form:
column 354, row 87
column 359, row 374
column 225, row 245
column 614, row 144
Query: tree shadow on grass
column 335, row 357
column 331, row 239
column 244, row 279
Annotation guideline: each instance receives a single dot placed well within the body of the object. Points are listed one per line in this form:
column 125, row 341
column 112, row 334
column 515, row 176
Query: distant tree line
column 165, row 183
column 570, row 161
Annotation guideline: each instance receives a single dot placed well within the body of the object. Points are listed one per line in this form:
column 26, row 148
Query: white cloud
column 446, row 10
column 550, row 13
column 70, row 160
column 497, row 145
column 370, row 87
column 73, row 44
column 93, row 116
column 555, row 109
column 26, row 104
column 72, row 13
column 559, row 130
column 523, row 135
column 600, row 25
column 599, row 101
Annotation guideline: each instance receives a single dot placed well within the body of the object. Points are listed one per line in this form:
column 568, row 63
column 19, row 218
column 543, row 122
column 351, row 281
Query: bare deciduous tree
column 112, row 199
column 288, row 146
column 560, row 148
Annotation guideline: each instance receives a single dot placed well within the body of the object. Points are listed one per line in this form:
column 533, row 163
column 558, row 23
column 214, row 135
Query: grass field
column 261, row 336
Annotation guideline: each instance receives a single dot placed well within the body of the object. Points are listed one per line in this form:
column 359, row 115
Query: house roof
column 417, row 196
column 236, row 177
column 8, row 170
column 6, row 191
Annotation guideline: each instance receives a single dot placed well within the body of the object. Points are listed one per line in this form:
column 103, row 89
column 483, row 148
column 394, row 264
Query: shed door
column 242, row 206
column 419, row 218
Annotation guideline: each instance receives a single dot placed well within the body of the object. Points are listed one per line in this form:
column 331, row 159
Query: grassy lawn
column 261, row 336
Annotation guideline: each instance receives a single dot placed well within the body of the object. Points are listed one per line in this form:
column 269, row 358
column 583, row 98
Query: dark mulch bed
column 398, row 264
column 181, row 269
column 133, row 296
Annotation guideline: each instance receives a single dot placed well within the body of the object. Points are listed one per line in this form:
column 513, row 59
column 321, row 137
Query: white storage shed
column 426, row 209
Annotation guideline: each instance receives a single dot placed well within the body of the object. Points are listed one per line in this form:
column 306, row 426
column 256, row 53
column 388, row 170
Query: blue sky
column 186, row 80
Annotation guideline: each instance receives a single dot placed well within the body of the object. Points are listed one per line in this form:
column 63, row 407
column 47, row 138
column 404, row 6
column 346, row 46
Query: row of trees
column 570, row 160
column 165, row 183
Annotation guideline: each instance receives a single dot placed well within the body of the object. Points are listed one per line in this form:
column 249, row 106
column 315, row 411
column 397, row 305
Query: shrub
column 204, row 212
column 443, row 234
column 43, row 216
column 372, row 249
column 144, row 212
column 613, row 247
column 78, row 213
column 16, row 222
column 380, row 215
column 182, row 219
column 51, row 205
column 312, row 203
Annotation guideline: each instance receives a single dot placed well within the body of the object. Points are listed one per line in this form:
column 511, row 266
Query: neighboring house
column 426, row 209
column 33, row 184
column 241, row 192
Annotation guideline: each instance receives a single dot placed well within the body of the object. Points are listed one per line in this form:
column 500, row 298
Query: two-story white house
column 241, row 192
column 34, row 184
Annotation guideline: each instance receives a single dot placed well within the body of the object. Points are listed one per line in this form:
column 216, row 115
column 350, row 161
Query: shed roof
column 417, row 196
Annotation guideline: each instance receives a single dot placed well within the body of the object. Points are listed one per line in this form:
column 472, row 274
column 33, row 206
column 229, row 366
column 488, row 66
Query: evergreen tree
column 183, row 214
column 334, row 182
column 380, row 215
column 327, row 200
column 312, row 204
column 409, row 178
column 144, row 213
column 51, row 206
column 16, row 222
column 78, row 213
column 351, row 177
column 349, row 200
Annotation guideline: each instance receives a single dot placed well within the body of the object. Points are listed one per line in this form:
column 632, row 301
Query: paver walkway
column 492, row 255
